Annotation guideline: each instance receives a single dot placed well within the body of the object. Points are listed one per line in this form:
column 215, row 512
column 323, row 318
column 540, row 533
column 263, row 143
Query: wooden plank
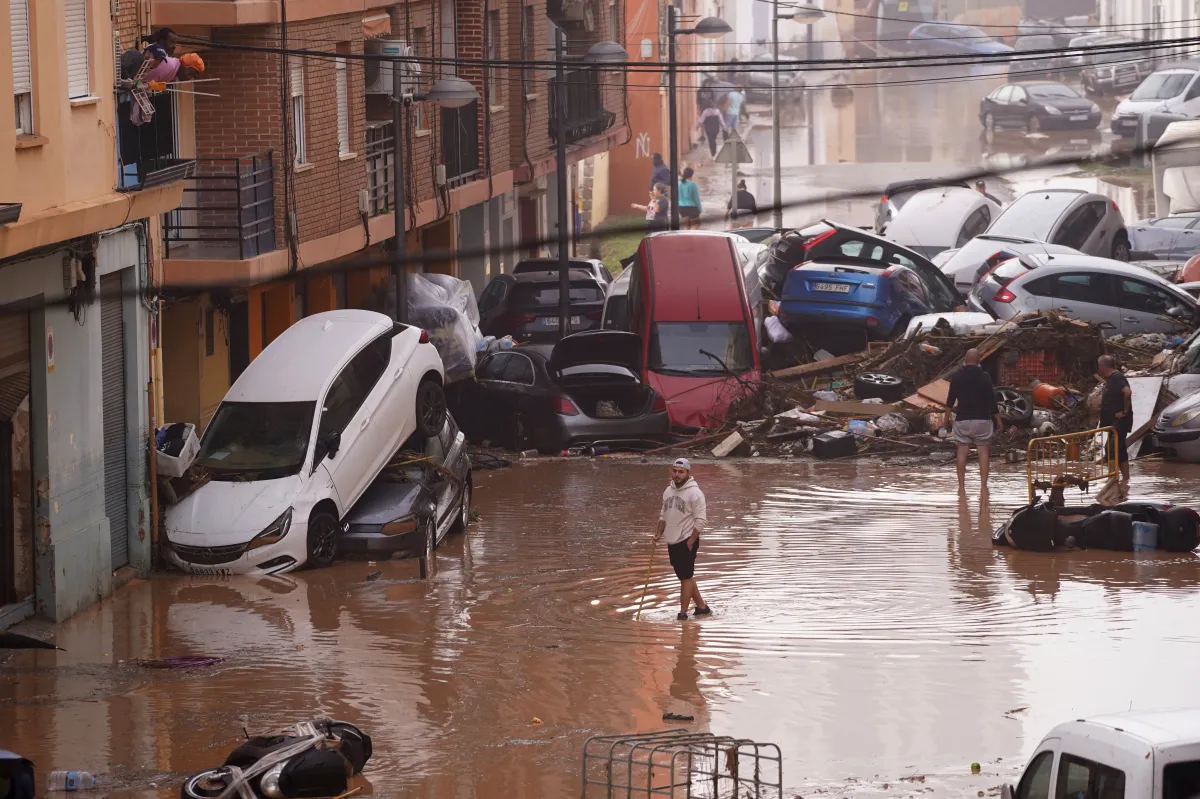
column 819, row 367
column 869, row 409
column 728, row 445
column 937, row 391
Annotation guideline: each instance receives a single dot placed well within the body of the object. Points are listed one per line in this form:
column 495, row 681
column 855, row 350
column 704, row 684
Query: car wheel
column 323, row 532
column 1033, row 125
column 464, row 508
column 431, row 408
column 1015, row 408
column 876, row 385
column 1120, row 248
column 989, row 122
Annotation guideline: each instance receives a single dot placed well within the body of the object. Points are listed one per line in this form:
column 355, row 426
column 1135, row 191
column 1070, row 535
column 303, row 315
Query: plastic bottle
column 71, row 781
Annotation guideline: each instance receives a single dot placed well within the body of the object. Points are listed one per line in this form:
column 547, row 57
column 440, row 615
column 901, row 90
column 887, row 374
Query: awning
column 379, row 24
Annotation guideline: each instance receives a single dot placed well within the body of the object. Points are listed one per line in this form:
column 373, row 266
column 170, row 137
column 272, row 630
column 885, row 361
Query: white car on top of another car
column 939, row 219
column 299, row 437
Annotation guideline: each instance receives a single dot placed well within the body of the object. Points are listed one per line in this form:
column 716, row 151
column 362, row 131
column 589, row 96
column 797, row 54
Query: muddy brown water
column 863, row 622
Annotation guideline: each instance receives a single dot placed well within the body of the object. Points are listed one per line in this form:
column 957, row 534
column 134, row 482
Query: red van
column 688, row 300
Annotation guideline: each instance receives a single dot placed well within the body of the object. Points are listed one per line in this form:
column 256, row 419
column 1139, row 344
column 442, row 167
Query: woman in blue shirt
column 689, row 200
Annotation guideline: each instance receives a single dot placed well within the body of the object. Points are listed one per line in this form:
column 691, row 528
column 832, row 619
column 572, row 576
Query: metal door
column 112, row 384
column 14, row 387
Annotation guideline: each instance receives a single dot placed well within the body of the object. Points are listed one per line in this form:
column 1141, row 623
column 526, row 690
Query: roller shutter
column 112, row 367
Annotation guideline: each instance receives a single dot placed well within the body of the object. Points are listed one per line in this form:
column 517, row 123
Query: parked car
column 938, row 219
column 1034, row 107
column 829, row 240
column 1090, row 223
column 1042, row 59
column 525, row 306
column 690, row 302
column 299, row 437
column 968, row 263
column 1075, row 58
column 897, row 194
column 1114, row 70
column 949, row 39
column 597, row 268
column 1174, row 89
column 412, row 506
column 1175, row 237
column 756, row 235
column 586, row 388
column 1124, row 298
column 1178, row 428
column 1059, row 32
column 759, row 81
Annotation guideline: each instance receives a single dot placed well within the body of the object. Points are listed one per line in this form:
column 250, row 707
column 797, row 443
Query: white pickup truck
column 1136, row 755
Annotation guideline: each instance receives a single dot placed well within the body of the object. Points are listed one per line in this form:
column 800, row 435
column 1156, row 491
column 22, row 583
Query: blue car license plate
column 838, row 288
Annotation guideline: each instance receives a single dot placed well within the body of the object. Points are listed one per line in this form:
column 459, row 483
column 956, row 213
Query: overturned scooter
column 1042, row 527
column 313, row 759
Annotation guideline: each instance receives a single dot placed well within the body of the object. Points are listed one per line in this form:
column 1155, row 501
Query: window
column 1018, row 95
column 1035, row 784
column 491, row 296
column 342, row 87
column 1042, row 287
column 675, row 348
column 545, row 295
column 1138, row 296
column 519, row 369
column 22, row 82
column 527, row 54
column 1079, row 225
column 447, row 34
column 268, row 440
column 1181, row 780
column 493, row 367
column 854, row 249
column 614, row 23
column 976, row 223
column 351, row 388
column 1088, row 780
column 299, row 142
column 495, row 76
column 75, row 23
column 420, row 48
column 1193, row 91
column 1091, row 288
column 1174, row 222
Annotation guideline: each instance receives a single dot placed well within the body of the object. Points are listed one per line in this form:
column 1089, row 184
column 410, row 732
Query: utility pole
column 672, row 118
column 560, row 144
column 776, row 163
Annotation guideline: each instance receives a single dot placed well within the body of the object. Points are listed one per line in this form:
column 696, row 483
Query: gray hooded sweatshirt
column 683, row 510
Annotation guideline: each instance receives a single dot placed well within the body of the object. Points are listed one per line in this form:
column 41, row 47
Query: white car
column 969, row 262
column 1173, row 89
column 299, row 437
column 934, row 220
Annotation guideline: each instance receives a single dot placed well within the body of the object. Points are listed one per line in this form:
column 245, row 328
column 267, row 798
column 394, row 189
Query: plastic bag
column 776, row 331
column 445, row 308
column 893, row 423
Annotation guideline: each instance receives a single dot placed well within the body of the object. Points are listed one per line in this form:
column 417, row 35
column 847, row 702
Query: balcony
column 380, row 157
column 586, row 115
column 228, row 211
column 147, row 151
column 460, row 143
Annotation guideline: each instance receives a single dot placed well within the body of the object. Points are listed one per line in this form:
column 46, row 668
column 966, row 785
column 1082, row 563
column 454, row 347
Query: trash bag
column 776, row 332
column 445, row 308
column 893, row 423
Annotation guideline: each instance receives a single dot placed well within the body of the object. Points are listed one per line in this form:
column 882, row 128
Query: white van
column 1174, row 89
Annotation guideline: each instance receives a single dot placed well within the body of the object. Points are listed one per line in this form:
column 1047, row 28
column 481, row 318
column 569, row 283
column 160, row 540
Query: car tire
column 1121, row 248
column 430, row 408
column 989, row 122
column 1033, row 124
column 876, row 385
column 464, row 508
column 322, row 539
column 1016, row 409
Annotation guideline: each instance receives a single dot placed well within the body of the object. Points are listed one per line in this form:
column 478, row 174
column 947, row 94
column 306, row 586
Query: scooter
column 1042, row 527
column 313, row 759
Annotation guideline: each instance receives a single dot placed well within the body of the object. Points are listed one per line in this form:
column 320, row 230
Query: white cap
column 683, row 463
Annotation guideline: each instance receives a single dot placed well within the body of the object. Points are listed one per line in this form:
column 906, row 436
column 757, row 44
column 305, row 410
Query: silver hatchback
column 1122, row 298
column 1081, row 220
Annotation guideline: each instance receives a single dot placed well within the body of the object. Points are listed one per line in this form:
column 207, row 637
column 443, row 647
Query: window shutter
column 343, row 109
column 75, row 25
column 297, row 75
column 18, row 12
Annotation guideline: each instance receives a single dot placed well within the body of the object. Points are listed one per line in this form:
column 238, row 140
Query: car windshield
column 256, row 440
column 545, row 295
column 679, row 348
column 1110, row 56
column 1033, row 215
column 1050, row 91
column 1162, row 86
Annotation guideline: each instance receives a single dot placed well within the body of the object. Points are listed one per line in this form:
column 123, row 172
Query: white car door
column 1144, row 307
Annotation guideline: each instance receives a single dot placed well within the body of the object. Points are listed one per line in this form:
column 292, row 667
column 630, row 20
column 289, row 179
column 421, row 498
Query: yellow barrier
column 1072, row 459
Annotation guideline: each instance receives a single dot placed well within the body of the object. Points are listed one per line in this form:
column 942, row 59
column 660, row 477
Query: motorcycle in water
column 1042, row 527
column 314, row 759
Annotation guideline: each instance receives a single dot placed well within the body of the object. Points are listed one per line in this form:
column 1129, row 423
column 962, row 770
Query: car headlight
column 274, row 533
column 1052, row 111
column 401, row 526
column 1186, row 417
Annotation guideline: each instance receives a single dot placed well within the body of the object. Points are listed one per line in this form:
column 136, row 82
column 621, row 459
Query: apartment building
column 293, row 187
column 78, row 270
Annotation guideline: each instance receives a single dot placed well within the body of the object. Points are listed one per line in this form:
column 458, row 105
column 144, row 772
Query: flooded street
column 863, row 622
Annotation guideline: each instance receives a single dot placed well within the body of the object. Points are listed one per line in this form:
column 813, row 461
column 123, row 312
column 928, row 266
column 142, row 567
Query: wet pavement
column 863, row 622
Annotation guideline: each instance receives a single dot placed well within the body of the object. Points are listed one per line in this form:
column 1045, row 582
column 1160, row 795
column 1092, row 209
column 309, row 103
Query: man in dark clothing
column 741, row 209
column 1116, row 411
column 976, row 417
column 661, row 173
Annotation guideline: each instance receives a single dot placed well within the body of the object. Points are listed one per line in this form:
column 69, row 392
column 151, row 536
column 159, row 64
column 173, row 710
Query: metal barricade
column 1078, row 459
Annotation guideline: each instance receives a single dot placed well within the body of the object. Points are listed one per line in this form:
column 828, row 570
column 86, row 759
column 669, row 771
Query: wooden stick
column 649, row 569
column 689, row 443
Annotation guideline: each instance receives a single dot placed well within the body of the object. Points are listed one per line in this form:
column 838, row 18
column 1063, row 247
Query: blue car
column 947, row 39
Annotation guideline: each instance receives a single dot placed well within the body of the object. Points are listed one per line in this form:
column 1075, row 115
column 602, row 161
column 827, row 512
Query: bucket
column 1145, row 537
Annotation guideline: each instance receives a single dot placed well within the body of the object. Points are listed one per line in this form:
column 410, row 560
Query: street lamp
column 451, row 92
column 806, row 14
column 708, row 28
column 598, row 54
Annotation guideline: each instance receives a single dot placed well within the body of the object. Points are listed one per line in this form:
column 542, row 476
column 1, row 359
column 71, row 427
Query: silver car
column 1081, row 220
column 1120, row 297
column 1178, row 428
column 969, row 262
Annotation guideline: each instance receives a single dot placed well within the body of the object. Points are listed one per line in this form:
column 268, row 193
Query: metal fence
column 228, row 210
column 1077, row 459
column 381, row 155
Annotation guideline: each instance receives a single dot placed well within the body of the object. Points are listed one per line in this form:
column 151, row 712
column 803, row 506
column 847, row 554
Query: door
column 1187, row 242
column 475, row 407
column 112, row 378
column 1017, row 107
column 346, row 412
column 1035, row 782
column 1143, row 308
column 1158, row 237
column 1088, row 296
column 1039, row 294
column 16, row 486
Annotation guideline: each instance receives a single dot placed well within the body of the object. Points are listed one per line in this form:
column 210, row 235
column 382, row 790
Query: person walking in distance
column 659, row 171
column 1116, row 411
column 733, row 110
column 712, row 123
column 689, row 200
column 976, row 417
column 683, row 517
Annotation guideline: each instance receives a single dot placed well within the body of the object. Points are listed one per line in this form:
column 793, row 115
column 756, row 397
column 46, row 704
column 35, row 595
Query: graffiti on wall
column 642, row 144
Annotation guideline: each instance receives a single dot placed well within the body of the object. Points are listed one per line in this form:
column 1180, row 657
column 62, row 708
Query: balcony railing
column 228, row 210
column 460, row 143
column 381, row 156
column 585, row 115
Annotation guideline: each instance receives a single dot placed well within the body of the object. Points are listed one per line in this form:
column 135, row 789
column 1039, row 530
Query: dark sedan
column 1034, row 107
column 586, row 389
column 525, row 306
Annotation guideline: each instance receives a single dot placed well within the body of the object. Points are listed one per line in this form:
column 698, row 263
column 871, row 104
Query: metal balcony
column 585, row 115
column 228, row 211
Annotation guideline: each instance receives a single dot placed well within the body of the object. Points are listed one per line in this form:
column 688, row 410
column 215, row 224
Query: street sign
column 734, row 151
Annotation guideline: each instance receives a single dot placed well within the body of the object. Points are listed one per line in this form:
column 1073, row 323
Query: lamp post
column 805, row 14
column 451, row 92
column 598, row 54
column 708, row 28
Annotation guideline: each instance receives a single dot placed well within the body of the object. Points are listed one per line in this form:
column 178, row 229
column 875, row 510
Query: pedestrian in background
column 688, row 198
column 660, row 172
column 976, row 417
column 657, row 210
column 683, row 517
column 733, row 110
column 742, row 210
column 1116, row 411
column 712, row 123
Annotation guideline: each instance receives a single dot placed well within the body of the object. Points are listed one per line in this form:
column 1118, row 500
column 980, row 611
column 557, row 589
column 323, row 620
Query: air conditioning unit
column 379, row 73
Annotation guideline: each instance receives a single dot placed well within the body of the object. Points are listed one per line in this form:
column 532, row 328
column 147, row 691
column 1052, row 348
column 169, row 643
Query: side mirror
column 332, row 443
column 1176, row 312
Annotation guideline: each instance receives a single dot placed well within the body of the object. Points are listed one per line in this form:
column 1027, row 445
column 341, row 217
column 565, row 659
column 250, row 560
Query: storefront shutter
column 112, row 375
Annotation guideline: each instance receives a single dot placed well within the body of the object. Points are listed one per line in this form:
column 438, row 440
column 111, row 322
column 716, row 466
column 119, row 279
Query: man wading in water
column 680, row 523
column 976, row 417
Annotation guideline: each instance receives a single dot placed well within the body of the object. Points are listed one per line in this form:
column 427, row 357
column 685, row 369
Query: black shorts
column 1117, row 441
column 683, row 558
column 689, row 212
